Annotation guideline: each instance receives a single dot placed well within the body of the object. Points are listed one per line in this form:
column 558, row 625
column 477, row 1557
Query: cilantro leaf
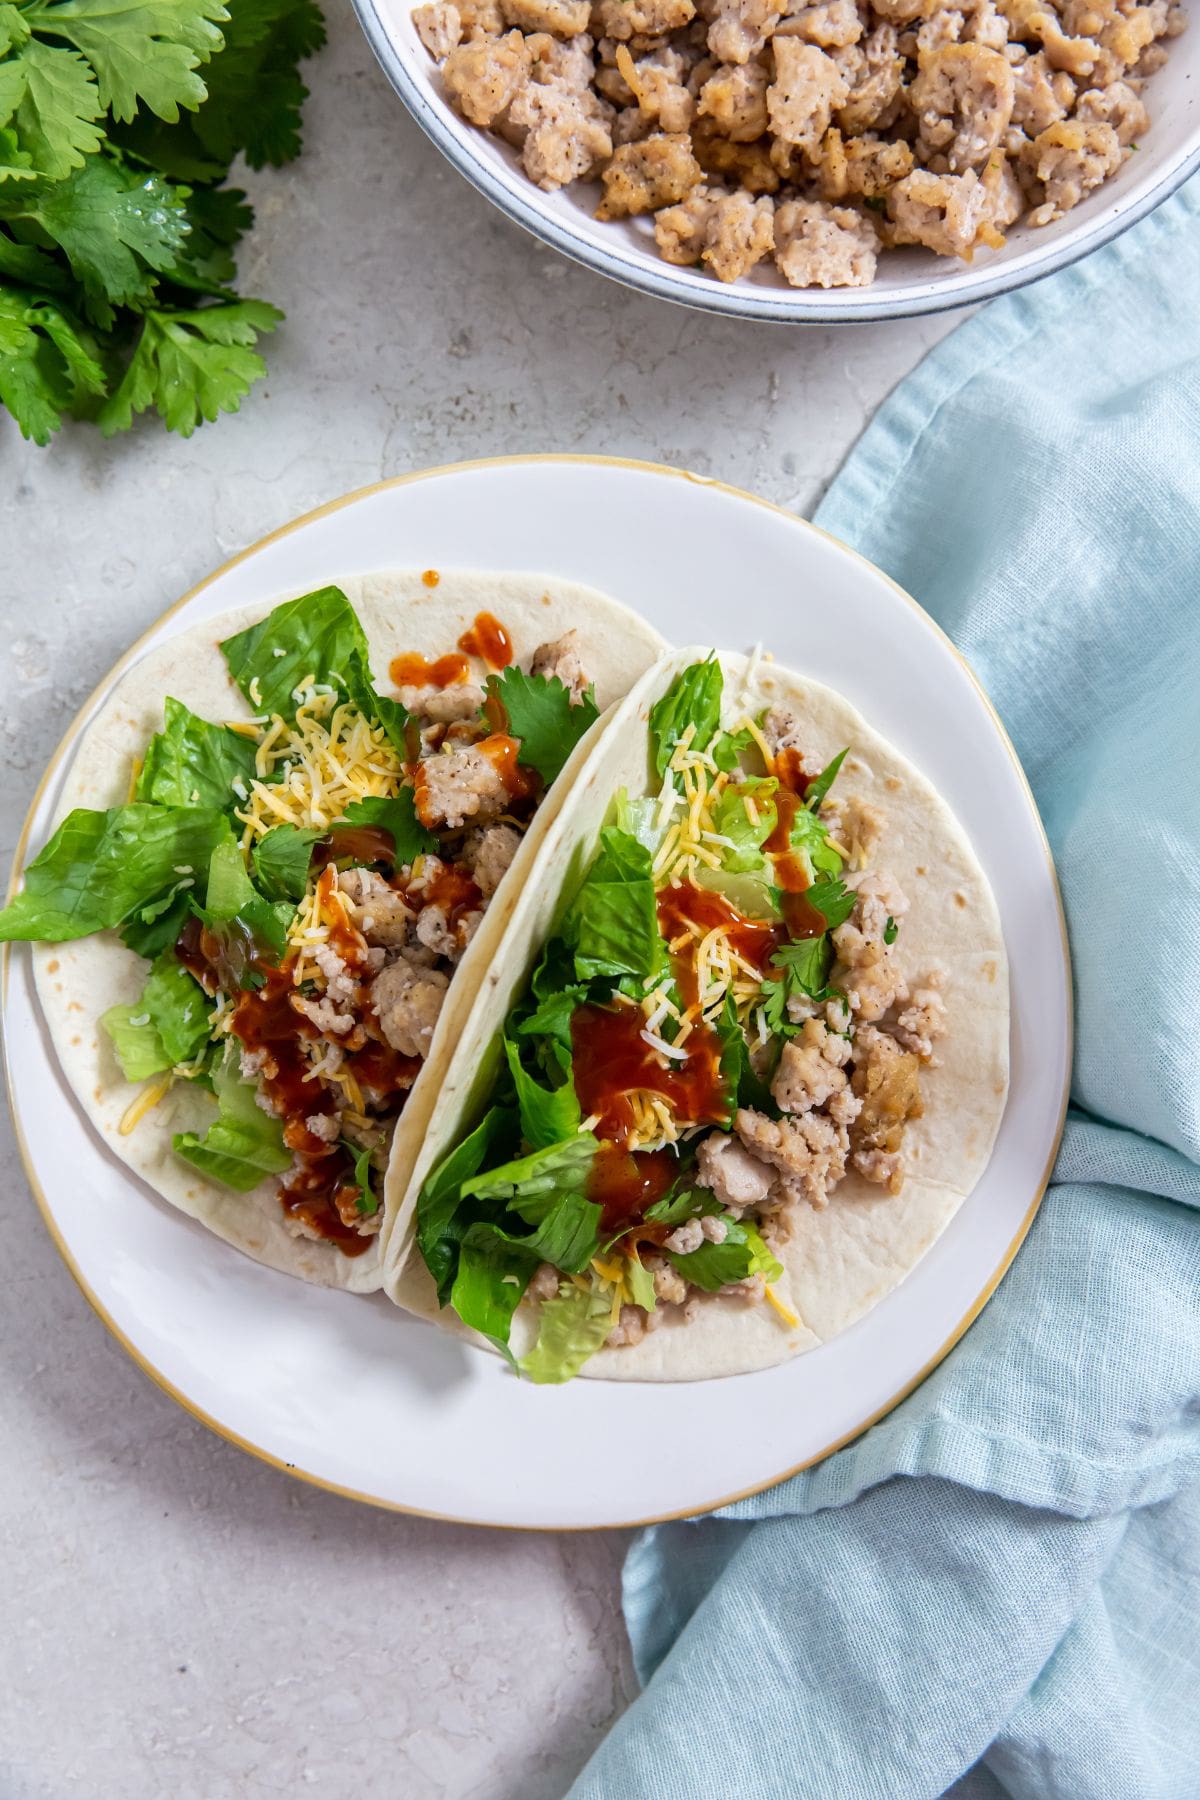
column 833, row 898
column 167, row 1024
column 141, row 50
column 542, row 718
column 216, row 219
column 318, row 633
column 192, row 763
column 398, row 817
column 243, row 1145
column 693, row 698
column 807, row 963
column 191, row 365
column 48, row 94
column 116, row 229
column 46, row 363
column 816, row 790
column 691, row 1203
column 281, row 860
column 891, row 930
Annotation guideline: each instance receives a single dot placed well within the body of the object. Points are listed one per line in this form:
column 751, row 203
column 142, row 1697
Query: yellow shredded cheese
column 146, row 1101
column 785, row 1312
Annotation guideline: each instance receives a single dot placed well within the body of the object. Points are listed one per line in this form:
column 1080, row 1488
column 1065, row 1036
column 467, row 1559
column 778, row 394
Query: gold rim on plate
column 118, row 669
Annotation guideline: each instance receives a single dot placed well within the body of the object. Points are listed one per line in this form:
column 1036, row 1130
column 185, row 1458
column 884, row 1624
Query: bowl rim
column 964, row 287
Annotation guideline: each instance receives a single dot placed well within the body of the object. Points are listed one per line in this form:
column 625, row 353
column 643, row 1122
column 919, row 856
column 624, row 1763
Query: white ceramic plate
column 909, row 281
column 350, row 1393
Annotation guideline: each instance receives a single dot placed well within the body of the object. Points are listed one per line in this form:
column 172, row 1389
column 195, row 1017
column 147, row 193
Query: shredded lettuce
column 244, row 1144
column 731, row 820
column 817, row 790
column 441, row 1219
column 693, row 698
column 167, row 1024
column 810, row 838
column 529, row 1181
column 101, row 869
column 571, row 1328
column 548, row 1115
column 192, row 763
column 247, row 927
column 318, row 635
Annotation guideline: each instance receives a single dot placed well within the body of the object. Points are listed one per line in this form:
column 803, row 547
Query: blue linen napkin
column 996, row 1591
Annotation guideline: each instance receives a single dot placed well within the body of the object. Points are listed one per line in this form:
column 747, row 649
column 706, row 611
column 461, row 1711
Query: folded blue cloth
column 996, row 1591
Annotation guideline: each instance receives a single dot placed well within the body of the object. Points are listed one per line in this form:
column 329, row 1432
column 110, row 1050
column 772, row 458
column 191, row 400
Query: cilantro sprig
column 119, row 122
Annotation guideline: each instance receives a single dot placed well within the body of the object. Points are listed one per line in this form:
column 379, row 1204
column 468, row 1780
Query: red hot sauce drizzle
column 791, row 871
column 754, row 940
column 489, row 639
column 411, row 669
column 625, row 1182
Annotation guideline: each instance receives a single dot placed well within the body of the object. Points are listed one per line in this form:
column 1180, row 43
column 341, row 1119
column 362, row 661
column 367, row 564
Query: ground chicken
column 866, row 970
column 784, row 730
column 459, row 783
column 669, row 1285
column 860, row 168
column 434, row 930
column 685, row 1238
column 746, row 165
column 727, row 232
column 439, row 27
column 565, row 131
column 543, row 1284
column 489, row 854
column 812, row 1068
column 800, row 101
column 887, row 1080
column 568, row 61
column 378, row 910
column 559, row 658
column 830, row 25
column 739, row 28
column 323, row 1013
column 856, row 825
column 484, row 78
column 738, row 1180
column 1070, row 160
column 559, row 18
column 923, row 1020
column 943, row 212
column 443, row 706
column 480, row 18
column 1041, row 95
column 407, row 1001
column 625, row 19
column 963, row 99
column 642, row 177
column 1116, row 105
column 809, row 1152
column 735, row 98
column 817, row 245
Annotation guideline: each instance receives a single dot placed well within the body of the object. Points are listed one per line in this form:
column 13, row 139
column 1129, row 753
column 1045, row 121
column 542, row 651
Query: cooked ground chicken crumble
column 812, row 134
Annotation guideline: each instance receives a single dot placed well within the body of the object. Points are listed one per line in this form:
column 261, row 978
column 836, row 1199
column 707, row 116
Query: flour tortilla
column 77, row 982
column 839, row 1262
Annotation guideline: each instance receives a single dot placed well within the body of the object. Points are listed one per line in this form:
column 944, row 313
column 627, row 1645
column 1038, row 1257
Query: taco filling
column 721, row 1028
column 302, row 885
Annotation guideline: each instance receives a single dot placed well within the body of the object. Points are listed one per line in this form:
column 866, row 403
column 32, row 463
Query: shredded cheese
column 785, row 1312
column 146, row 1101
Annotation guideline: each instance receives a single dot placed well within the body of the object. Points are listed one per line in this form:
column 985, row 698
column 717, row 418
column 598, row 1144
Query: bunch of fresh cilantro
column 119, row 120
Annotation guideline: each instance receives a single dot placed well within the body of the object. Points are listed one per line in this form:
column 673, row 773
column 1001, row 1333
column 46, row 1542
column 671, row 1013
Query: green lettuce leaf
column 192, row 763
column 389, row 714
column 281, row 860
column 103, row 868
column 611, row 926
column 731, row 820
column 542, row 718
column 693, row 698
column 167, row 1024
column 489, row 1281
column 811, row 839
column 571, row 1328
column 729, row 746
column 317, row 635
column 441, row 1219
column 367, row 1203
column 529, row 1183
column 248, row 928
column 640, row 1283
column 244, row 1144
column 740, row 1254
column 548, row 1115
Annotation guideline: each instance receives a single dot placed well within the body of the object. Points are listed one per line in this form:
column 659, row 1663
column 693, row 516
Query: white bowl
column 909, row 281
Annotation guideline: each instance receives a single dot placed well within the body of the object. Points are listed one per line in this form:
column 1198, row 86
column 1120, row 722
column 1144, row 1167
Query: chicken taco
column 747, row 1054
column 275, row 883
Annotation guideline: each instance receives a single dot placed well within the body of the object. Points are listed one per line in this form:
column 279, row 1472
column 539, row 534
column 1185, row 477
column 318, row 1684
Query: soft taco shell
column 79, row 981
column 841, row 1261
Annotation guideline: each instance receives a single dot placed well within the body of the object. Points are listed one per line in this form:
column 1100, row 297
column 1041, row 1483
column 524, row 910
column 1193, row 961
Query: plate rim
column 65, row 744
column 958, row 288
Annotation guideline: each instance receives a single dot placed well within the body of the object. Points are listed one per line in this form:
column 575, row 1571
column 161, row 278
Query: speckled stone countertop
column 180, row 1620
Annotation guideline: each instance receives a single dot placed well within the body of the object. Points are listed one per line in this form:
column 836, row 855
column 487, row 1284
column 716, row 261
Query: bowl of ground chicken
column 848, row 160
